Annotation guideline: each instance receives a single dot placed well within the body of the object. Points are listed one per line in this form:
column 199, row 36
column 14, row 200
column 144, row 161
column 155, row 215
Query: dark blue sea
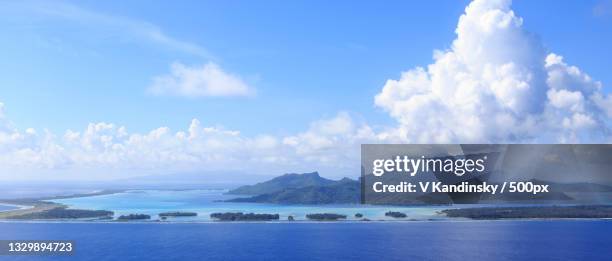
column 435, row 240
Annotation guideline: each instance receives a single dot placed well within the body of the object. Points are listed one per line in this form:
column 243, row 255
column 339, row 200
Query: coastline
column 18, row 207
column 457, row 220
column 44, row 210
column 34, row 206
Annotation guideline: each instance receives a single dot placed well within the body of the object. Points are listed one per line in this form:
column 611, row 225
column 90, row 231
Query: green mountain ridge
column 300, row 191
column 284, row 182
column 310, row 188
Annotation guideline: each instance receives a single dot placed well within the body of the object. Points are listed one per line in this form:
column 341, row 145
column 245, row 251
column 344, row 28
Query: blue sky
column 105, row 89
column 306, row 59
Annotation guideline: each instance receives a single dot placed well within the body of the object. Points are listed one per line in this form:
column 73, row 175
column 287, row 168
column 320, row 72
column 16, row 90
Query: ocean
column 420, row 240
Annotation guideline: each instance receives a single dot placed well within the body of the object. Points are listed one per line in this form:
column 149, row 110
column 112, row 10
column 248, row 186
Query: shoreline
column 33, row 206
column 19, row 207
column 81, row 195
column 43, row 210
column 450, row 220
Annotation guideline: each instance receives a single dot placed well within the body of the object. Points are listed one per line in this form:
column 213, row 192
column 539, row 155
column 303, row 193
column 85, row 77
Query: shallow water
column 7, row 207
column 205, row 202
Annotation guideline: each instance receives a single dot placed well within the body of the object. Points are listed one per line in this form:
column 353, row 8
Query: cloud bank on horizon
column 496, row 83
column 329, row 144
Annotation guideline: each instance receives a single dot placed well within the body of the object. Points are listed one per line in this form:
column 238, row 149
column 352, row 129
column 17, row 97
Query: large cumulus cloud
column 496, row 83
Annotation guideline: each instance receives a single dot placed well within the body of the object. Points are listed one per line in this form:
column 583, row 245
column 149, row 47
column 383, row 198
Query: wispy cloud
column 208, row 80
column 603, row 8
column 132, row 28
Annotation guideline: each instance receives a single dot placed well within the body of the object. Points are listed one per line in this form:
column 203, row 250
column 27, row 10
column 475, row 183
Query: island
column 239, row 216
column 542, row 212
column 311, row 188
column 62, row 212
column 283, row 182
column 133, row 217
column 395, row 214
column 43, row 209
column 178, row 214
column 307, row 188
column 325, row 216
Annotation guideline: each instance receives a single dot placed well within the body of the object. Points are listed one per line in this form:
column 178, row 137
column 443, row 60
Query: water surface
column 426, row 240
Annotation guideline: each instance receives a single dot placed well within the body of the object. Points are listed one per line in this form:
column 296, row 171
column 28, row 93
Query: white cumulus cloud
column 199, row 81
column 496, row 83
column 333, row 141
column 330, row 144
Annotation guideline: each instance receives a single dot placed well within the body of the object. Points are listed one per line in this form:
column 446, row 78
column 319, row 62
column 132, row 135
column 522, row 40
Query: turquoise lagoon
column 205, row 202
